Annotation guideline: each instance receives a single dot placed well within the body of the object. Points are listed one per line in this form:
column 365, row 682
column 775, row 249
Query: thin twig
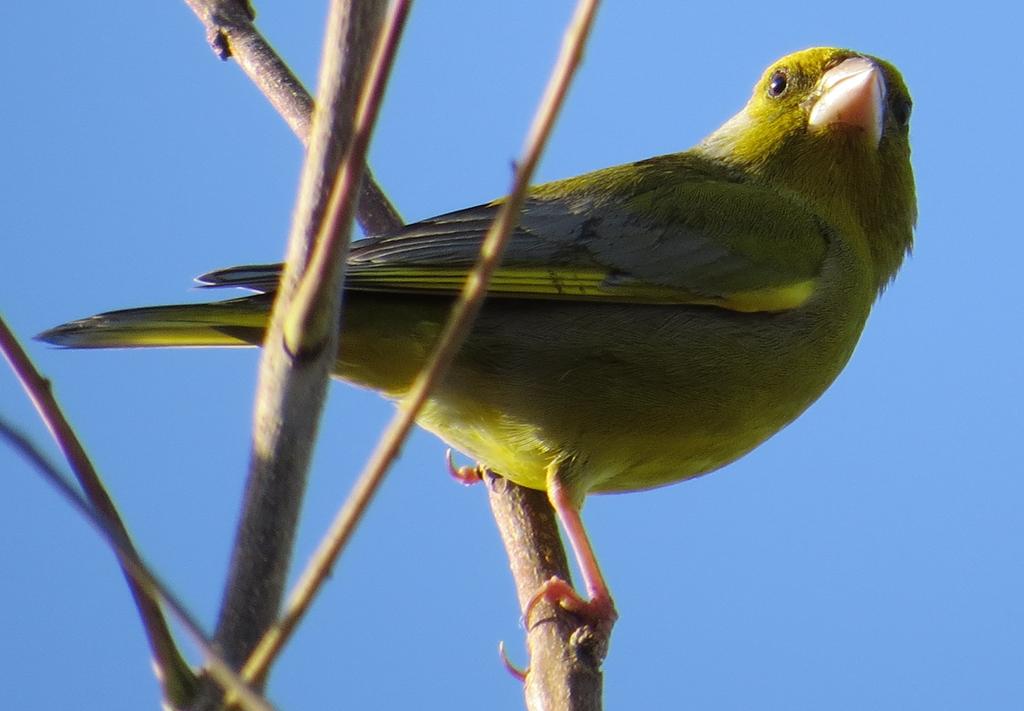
column 178, row 681
column 231, row 33
column 138, row 570
column 292, row 385
column 463, row 313
column 565, row 659
column 305, row 325
column 176, row 677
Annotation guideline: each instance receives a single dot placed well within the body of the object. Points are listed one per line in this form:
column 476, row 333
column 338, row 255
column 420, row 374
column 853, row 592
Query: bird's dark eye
column 777, row 83
column 901, row 111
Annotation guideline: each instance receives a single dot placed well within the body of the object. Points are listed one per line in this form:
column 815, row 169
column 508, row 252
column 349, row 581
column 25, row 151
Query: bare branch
column 176, row 677
column 231, row 33
column 565, row 658
column 295, row 364
column 306, row 325
column 464, row 311
column 235, row 33
column 142, row 574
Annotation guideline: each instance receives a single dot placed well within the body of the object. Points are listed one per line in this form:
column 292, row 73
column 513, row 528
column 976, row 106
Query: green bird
column 650, row 322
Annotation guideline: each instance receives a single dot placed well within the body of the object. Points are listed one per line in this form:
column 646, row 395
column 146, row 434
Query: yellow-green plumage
column 651, row 322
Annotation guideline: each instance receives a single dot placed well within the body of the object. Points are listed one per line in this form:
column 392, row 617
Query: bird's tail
column 238, row 322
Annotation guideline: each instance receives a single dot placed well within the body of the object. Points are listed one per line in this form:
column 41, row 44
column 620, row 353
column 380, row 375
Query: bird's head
column 831, row 128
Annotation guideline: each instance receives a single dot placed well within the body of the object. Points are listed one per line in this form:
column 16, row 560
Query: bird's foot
column 599, row 611
column 466, row 475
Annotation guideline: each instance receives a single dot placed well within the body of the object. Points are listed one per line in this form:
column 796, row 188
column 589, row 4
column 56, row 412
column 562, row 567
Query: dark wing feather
column 587, row 246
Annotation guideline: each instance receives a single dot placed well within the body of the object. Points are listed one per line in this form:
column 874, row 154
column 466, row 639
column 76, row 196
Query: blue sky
column 869, row 556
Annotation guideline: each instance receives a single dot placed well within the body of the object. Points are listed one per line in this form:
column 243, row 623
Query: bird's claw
column 599, row 611
column 518, row 672
column 465, row 475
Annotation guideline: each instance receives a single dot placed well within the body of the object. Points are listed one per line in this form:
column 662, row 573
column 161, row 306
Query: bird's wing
column 719, row 244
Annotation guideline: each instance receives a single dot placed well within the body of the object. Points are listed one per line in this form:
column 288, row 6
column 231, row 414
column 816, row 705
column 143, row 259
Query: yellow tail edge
column 238, row 322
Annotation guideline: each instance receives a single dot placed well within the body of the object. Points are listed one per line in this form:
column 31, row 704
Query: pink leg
column 599, row 609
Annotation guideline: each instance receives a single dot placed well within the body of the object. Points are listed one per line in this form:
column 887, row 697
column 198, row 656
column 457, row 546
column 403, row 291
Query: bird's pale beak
column 851, row 94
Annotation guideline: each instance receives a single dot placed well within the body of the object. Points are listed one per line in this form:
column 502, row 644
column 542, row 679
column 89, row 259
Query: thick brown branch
column 565, row 657
column 292, row 385
column 322, row 279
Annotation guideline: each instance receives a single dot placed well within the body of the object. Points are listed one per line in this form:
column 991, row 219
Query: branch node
column 219, row 43
column 590, row 645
